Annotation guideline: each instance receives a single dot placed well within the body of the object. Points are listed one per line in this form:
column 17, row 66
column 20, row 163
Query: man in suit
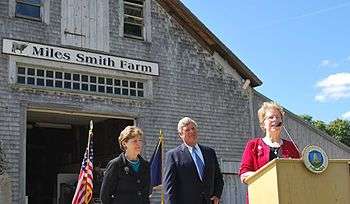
column 192, row 173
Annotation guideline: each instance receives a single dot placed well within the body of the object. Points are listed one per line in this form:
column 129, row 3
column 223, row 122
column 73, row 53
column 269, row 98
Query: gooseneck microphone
column 290, row 138
column 279, row 124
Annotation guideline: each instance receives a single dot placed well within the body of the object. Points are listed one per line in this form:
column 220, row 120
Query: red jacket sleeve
column 247, row 163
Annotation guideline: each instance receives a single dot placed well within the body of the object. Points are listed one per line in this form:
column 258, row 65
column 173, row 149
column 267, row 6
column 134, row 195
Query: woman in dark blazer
column 127, row 177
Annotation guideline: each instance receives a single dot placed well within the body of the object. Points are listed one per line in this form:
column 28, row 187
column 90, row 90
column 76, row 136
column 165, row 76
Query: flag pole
column 161, row 139
column 87, row 199
column 89, row 138
column 84, row 189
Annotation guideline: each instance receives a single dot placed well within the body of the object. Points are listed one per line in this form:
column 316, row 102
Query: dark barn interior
column 55, row 148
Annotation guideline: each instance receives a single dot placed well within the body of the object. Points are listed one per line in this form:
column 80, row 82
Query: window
column 134, row 18
column 28, row 9
column 43, row 77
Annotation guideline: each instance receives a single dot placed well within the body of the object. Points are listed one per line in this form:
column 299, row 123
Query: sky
column 299, row 49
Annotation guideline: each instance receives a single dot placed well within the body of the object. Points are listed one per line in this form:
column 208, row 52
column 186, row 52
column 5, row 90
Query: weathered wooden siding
column 85, row 23
column 234, row 191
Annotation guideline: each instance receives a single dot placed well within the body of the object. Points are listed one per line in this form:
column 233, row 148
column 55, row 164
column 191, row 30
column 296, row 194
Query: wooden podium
column 288, row 181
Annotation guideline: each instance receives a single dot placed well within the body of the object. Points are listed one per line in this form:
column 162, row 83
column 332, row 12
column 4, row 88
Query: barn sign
column 40, row 51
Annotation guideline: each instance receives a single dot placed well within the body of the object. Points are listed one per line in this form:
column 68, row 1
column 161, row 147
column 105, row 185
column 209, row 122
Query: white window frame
column 136, row 18
column 124, row 86
column 44, row 11
column 15, row 61
column 146, row 19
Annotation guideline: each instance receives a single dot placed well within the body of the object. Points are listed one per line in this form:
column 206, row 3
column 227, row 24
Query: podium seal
column 315, row 159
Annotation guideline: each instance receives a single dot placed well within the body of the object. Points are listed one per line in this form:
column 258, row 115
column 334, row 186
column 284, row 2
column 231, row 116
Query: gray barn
column 120, row 62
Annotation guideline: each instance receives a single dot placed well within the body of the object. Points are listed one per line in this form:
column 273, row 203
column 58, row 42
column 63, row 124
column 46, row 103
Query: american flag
column 83, row 192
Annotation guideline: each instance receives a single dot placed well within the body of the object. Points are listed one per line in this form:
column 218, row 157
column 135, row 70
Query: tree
column 320, row 125
column 306, row 117
column 340, row 130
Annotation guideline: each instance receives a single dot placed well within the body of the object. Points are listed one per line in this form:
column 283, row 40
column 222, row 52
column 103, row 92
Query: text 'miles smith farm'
column 60, row 54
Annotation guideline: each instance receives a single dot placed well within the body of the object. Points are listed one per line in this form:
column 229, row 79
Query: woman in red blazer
column 260, row 151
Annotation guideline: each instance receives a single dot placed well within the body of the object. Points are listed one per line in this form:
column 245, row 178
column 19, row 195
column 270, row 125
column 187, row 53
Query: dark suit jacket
column 122, row 185
column 182, row 184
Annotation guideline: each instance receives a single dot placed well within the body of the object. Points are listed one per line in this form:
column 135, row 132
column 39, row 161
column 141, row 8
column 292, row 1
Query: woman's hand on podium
column 245, row 175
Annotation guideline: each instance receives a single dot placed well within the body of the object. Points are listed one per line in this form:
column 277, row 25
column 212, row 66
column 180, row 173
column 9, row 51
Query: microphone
column 290, row 138
column 279, row 124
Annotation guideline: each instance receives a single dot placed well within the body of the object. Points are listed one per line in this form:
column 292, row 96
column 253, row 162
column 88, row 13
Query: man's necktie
column 199, row 162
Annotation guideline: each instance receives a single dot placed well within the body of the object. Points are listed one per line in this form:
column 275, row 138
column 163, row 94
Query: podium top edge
column 339, row 160
column 293, row 160
column 274, row 162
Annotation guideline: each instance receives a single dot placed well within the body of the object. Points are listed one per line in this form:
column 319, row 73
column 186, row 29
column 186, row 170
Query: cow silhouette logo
column 18, row 47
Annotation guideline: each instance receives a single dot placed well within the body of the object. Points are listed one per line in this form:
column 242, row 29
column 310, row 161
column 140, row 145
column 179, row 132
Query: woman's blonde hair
column 128, row 133
column 268, row 106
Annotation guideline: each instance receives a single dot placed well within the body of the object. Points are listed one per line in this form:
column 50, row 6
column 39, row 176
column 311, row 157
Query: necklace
column 275, row 151
column 268, row 141
column 134, row 161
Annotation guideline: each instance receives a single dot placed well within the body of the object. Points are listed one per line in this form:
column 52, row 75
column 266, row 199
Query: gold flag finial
column 91, row 125
column 161, row 136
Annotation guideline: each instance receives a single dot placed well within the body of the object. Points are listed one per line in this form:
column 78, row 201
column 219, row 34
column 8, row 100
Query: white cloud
column 346, row 115
column 328, row 63
column 334, row 87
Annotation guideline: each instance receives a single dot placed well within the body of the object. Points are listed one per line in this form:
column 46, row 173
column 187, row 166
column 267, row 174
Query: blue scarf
column 135, row 165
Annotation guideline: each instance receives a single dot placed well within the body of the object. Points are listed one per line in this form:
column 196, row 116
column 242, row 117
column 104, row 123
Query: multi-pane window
column 133, row 18
column 28, row 9
column 42, row 77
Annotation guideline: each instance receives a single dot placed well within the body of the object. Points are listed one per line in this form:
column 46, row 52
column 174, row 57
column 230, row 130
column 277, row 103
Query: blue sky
column 299, row 49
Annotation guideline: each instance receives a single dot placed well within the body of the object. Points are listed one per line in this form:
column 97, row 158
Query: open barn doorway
column 55, row 145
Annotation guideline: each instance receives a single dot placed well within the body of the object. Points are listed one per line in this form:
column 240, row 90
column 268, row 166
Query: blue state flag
column 156, row 165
